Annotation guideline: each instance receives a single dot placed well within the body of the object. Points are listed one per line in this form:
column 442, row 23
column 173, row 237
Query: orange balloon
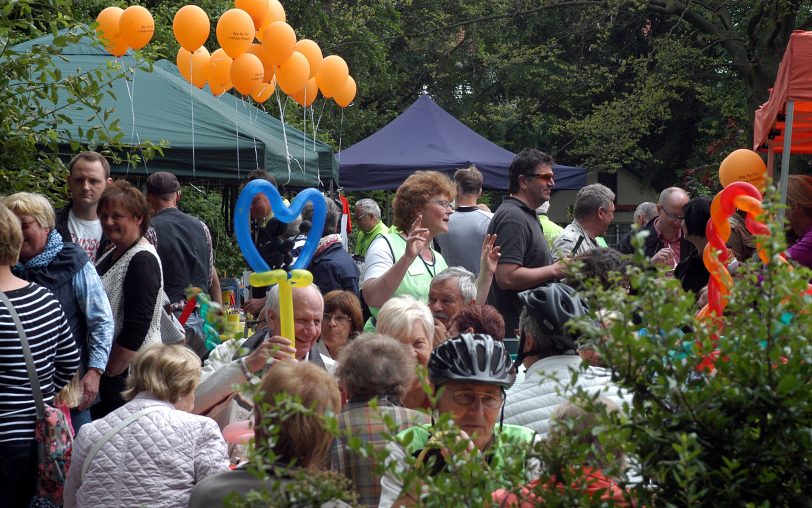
column 307, row 95
column 275, row 13
column 344, row 97
column 743, row 165
column 312, row 52
column 217, row 89
column 194, row 67
column 220, row 69
column 332, row 75
column 246, row 73
column 267, row 65
column 279, row 40
column 191, row 27
column 264, row 91
column 235, row 32
column 136, row 26
column 292, row 75
column 257, row 9
column 108, row 33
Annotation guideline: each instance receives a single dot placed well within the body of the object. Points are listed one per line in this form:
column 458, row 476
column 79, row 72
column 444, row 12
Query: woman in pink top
column 799, row 214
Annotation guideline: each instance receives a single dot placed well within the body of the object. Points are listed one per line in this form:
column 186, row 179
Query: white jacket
column 154, row 461
column 547, row 384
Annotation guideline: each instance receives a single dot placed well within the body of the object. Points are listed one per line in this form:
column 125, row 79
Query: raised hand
column 416, row 238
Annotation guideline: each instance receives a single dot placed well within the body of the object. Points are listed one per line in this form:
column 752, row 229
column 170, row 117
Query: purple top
column 801, row 251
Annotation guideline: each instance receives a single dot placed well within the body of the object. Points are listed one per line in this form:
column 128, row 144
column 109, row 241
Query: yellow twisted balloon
column 286, row 280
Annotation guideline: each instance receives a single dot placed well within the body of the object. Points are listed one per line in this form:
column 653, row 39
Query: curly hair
column 128, row 196
column 413, row 194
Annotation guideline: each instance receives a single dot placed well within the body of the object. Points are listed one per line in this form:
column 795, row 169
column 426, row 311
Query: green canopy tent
column 229, row 137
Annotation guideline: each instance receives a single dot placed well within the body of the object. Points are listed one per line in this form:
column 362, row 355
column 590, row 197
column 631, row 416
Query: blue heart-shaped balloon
column 287, row 214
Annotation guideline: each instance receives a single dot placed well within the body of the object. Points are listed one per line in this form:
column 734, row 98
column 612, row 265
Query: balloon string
column 284, row 131
column 340, row 131
column 192, row 104
column 237, row 128
column 315, row 127
column 253, row 132
column 131, row 94
column 246, row 106
column 304, row 130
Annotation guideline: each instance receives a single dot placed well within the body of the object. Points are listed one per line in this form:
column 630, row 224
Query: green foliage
column 33, row 130
column 738, row 434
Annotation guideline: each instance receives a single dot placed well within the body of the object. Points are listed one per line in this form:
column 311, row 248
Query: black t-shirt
column 521, row 239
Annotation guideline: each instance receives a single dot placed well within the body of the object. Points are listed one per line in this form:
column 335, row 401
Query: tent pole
column 787, row 149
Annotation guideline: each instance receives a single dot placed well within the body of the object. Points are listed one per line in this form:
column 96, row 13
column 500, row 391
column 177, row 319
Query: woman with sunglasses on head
column 341, row 322
column 403, row 262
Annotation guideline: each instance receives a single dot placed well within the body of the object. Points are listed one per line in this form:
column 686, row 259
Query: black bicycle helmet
column 471, row 358
column 552, row 306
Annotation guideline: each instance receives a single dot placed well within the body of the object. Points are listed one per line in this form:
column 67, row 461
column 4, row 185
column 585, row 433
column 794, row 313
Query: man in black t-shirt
column 526, row 261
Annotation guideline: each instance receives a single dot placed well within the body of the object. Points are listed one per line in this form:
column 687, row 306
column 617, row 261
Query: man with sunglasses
column 665, row 243
column 525, row 260
column 470, row 374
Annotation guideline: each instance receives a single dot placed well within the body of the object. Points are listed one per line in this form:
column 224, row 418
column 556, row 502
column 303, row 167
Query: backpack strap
column 112, row 432
column 29, row 360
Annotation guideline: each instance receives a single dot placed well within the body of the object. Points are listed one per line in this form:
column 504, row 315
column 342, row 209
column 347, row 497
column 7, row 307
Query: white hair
column 398, row 316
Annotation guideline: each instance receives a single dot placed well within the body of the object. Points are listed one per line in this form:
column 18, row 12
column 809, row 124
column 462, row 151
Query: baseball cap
column 162, row 183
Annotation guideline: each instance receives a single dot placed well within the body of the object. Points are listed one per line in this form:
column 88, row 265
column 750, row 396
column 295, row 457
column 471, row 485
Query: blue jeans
column 79, row 418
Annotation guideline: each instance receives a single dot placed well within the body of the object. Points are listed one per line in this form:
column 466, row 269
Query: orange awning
column 793, row 82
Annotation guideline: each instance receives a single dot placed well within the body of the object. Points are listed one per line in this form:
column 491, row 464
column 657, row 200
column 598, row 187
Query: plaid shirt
column 359, row 420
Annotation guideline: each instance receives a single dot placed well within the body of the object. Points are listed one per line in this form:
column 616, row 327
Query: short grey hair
column 376, row 365
column 465, row 279
column 590, row 198
column 397, row 317
column 369, row 206
column 645, row 211
column 670, row 192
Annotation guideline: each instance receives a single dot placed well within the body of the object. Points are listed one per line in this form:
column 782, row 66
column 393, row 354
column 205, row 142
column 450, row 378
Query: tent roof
column 229, row 137
column 425, row 136
column 793, row 82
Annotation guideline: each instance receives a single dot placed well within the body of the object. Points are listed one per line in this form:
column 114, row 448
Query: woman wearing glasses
column 342, row 321
column 403, row 262
column 470, row 374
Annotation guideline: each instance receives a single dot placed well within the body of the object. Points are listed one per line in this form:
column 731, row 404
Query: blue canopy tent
column 425, row 136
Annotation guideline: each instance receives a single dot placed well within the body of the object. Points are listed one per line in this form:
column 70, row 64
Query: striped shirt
column 55, row 357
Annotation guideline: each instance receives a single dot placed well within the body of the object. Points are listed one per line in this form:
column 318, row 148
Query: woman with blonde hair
column 152, row 450
column 410, row 322
column 403, row 262
column 799, row 213
column 301, row 439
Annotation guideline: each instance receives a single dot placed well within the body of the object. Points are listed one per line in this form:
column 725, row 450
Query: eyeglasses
column 467, row 397
column 541, row 176
column 340, row 318
column 441, row 202
column 673, row 216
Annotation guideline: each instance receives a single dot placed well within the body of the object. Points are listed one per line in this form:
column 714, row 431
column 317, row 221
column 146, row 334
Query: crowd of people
column 98, row 283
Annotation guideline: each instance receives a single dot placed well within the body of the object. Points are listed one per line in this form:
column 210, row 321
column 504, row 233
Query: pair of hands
column 276, row 348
